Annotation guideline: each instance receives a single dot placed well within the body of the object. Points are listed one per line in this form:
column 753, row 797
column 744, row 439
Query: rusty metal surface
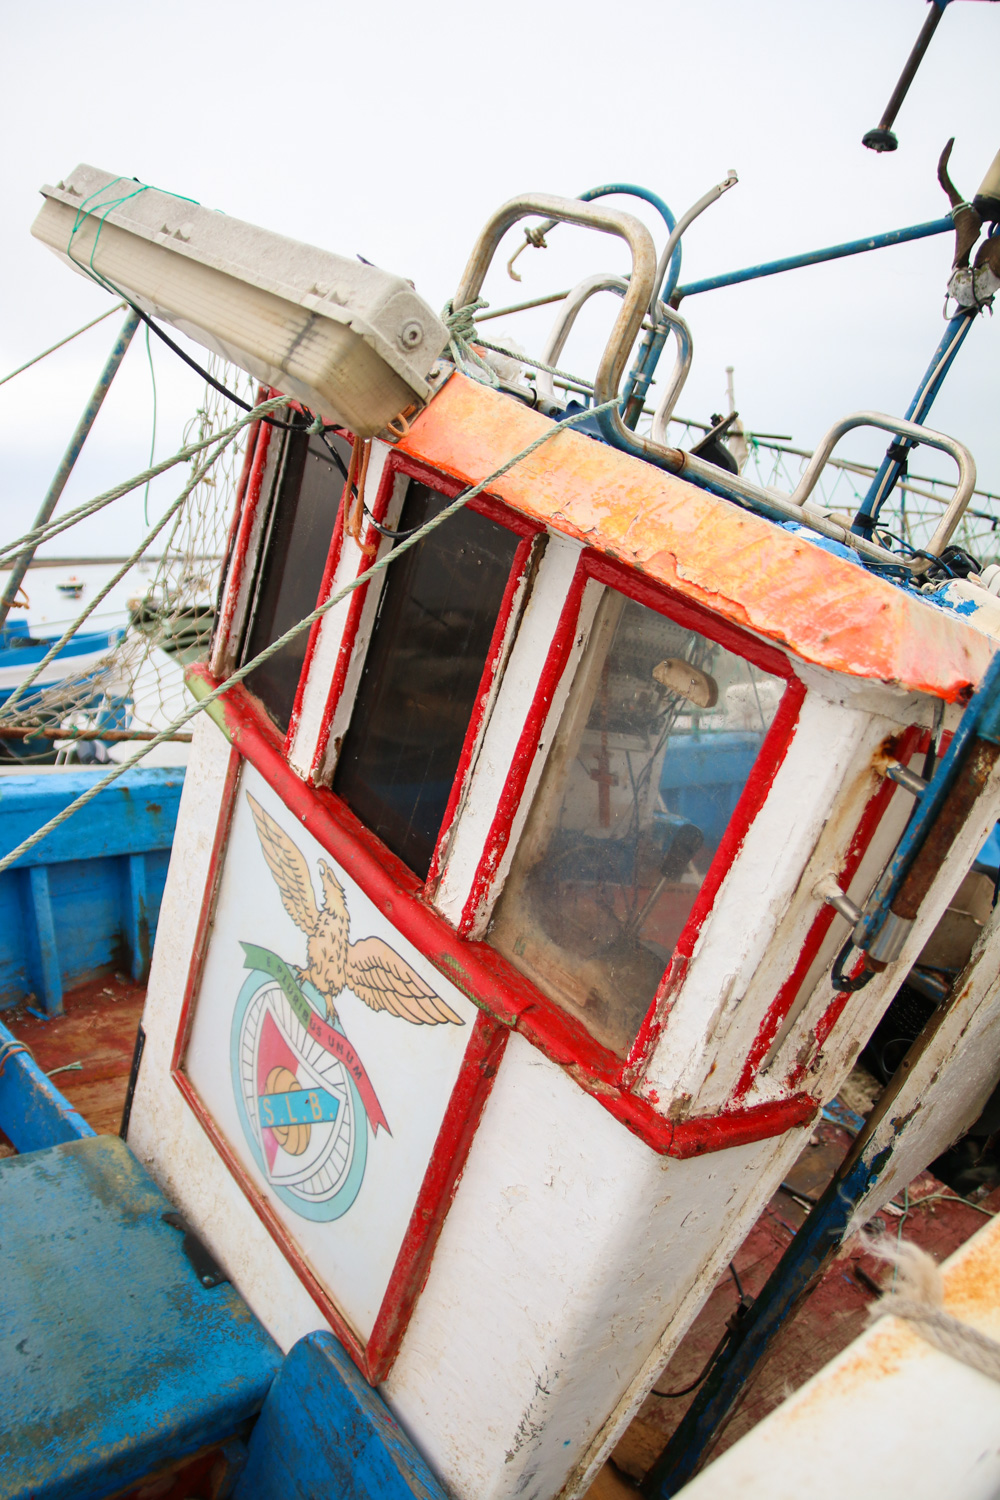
column 957, row 806
column 823, row 609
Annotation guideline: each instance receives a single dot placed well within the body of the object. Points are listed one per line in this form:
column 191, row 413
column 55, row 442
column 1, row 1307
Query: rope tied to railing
column 461, row 332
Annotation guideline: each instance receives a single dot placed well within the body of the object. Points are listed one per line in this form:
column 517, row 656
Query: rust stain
column 822, row 608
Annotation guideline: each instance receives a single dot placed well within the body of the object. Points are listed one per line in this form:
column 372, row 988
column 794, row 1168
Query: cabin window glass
column 305, row 498
column 660, row 733
column 421, row 679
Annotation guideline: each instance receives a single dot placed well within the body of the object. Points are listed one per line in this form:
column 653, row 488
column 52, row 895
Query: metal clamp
column 827, row 889
column 907, row 779
column 588, row 216
column 963, row 458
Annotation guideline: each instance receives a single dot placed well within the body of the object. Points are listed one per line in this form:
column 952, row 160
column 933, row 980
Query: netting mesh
column 136, row 681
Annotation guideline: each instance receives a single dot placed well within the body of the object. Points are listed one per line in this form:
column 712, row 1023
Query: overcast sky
column 394, row 129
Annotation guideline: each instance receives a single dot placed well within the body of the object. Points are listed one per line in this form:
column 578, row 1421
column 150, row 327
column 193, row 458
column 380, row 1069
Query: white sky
column 394, row 129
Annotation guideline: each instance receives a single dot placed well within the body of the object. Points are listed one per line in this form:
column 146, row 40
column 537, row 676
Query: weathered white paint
column 863, row 1010
column 413, row 1068
column 570, row 1264
column 352, row 561
column 890, row 1417
column 163, row 1132
column 754, row 896
column 515, row 692
column 946, row 1081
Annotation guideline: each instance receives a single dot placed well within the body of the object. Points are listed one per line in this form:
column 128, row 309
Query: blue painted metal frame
column 981, row 720
column 324, row 1431
column 87, row 897
column 33, row 1113
column 818, row 1239
column 892, row 467
column 817, row 257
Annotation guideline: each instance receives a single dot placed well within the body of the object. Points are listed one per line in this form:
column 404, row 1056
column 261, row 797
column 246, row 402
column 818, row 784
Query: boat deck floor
column 89, row 1052
column 927, row 1214
column 96, row 1032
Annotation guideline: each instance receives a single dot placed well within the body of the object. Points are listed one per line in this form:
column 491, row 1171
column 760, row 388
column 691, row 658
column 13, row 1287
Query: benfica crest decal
column 303, row 1095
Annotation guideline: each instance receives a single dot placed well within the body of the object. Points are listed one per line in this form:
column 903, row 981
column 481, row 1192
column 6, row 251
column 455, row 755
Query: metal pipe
column 536, row 236
column 23, row 560
column 915, row 434
column 893, row 465
column 679, row 374
column 573, row 211
column 641, row 375
column 10, row 732
column 706, row 201
column 817, row 257
column 882, row 138
column 562, row 327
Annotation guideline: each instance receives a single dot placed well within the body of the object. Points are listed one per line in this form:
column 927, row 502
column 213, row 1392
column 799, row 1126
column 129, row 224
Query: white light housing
column 351, row 342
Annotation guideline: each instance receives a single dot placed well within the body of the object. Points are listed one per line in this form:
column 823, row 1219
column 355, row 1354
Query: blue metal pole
column 894, row 463
column 23, row 561
column 817, row 257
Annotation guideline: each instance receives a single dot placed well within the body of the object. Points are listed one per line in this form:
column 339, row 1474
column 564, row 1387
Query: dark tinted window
column 305, row 498
column 432, row 635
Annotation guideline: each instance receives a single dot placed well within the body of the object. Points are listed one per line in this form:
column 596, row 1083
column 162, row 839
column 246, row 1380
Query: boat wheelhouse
column 511, row 943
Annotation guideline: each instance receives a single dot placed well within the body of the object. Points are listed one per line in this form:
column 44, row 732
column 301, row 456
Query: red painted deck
column 97, row 1031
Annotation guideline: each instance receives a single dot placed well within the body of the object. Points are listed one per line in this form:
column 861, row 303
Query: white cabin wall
column 163, row 1133
column 731, row 958
column 571, row 1263
column 946, row 1086
column 352, row 561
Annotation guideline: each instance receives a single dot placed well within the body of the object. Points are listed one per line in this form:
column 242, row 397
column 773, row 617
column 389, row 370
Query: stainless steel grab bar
column 963, row 458
column 588, row 216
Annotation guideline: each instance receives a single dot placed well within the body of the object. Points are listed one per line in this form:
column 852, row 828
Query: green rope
column 67, row 340
column 45, row 533
column 462, row 334
column 377, row 567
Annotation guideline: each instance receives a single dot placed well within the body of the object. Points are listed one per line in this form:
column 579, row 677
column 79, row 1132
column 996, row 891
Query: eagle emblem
column 369, row 969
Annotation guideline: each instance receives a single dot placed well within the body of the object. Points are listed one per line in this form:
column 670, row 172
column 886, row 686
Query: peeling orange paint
column 822, row 608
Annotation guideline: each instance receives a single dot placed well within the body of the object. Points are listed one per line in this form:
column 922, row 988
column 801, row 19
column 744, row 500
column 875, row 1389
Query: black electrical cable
column 744, row 1304
column 841, row 981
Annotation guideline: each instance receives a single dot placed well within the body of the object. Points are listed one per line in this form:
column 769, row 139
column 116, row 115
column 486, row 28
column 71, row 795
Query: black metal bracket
column 206, row 1267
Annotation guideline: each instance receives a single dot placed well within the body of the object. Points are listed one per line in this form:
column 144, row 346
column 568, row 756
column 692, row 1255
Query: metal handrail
column 575, row 300
column 600, row 281
column 588, row 216
column 678, row 375
column 913, row 430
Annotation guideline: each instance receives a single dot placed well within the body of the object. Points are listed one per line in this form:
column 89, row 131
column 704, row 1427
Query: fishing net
column 135, row 683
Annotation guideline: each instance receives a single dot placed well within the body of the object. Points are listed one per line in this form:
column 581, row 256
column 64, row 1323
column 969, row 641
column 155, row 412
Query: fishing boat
column 565, row 812
column 70, row 688
column 72, row 587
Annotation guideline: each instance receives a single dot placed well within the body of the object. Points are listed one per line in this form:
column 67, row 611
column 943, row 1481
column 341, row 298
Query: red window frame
column 400, row 464
column 599, row 568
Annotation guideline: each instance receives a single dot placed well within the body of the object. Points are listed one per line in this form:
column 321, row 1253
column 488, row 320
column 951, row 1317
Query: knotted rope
column 461, row 331
column 918, row 1297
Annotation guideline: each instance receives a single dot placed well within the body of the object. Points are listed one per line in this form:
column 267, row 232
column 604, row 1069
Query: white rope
column 918, row 1298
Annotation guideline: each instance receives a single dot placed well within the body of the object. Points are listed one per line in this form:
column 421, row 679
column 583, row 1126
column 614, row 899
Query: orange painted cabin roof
column 820, row 607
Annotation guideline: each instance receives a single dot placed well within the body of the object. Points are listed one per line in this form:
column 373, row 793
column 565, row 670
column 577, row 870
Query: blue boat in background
column 77, row 663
